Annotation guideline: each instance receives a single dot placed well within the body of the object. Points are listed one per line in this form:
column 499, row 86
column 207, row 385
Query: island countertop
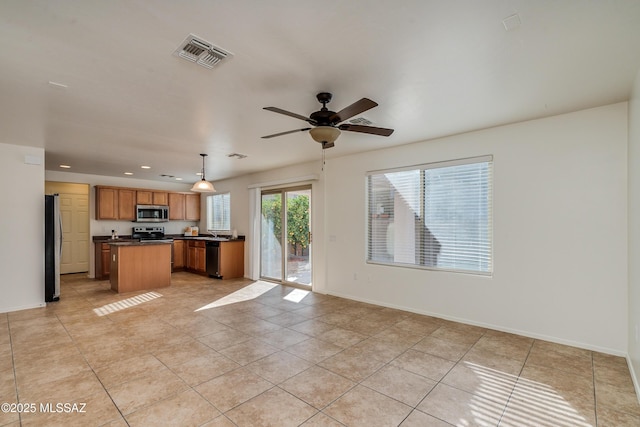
column 138, row 243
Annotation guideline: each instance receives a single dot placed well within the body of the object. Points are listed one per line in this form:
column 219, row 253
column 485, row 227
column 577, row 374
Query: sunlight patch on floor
column 247, row 293
column 126, row 303
column 296, row 295
column 530, row 402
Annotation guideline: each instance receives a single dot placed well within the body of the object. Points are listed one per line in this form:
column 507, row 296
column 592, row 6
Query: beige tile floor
column 214, row 353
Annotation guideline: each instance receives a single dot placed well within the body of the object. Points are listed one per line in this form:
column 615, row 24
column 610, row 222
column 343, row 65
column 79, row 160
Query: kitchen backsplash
column 123, row 228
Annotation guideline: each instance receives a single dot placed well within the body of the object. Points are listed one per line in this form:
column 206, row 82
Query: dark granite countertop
column 115, row 242
column 205, row 237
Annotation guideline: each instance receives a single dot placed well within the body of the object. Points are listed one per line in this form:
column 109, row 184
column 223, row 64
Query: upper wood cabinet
column 160, row 198
column 126, row 204
column 192, row 207
column 176, row 206
column 120, row 203
column 144, row 197
column 115, row 203
column 148, row 197
column 106, row 203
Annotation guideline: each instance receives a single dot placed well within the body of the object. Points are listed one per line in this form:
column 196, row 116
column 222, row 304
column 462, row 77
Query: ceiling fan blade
column 366, row 129
column 285, row 133
column 287, row 113
column 354, row 109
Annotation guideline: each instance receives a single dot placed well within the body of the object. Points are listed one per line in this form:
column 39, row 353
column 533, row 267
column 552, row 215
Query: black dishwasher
column 213, row 259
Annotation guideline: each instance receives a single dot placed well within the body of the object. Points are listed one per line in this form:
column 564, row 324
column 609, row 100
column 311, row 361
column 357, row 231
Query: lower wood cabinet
column 103, row 261
column 190, row 255
column 232, row 259
column 197, row 256
column 178, row 254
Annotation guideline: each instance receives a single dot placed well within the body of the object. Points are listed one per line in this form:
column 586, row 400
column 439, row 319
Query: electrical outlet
column 355, row 276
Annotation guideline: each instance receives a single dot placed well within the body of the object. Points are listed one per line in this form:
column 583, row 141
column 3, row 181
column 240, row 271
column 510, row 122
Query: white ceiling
column 436, row 67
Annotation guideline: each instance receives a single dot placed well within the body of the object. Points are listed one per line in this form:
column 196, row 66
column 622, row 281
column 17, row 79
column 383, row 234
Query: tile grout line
column 91, row 367
column 595, row 395
column 516, row 382
column 13, row 365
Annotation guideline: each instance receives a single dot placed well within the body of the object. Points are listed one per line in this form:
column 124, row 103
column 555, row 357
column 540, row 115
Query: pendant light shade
column 203, row 186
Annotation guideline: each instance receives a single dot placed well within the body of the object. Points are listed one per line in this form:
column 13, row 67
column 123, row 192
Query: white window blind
column 219, row 212
column 433, row 216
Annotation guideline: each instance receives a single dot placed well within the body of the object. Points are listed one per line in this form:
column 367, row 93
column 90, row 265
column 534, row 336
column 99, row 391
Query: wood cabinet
column 115, row 203
column 144, row 197
column 178, row 254
column 126, row 204
column 118, row 203
column 231, row 259
column 103, row 261
column 149, row 197
column 192, row 207
column 160, row 198
column 196, row 256
column 184, row 206
column 106, row 203
column 136, row 266
column 176, row 203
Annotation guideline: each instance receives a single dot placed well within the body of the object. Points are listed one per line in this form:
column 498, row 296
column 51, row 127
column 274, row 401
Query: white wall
column 560, row 224
column 21, row 228
column 104, row 227
column 634, row 233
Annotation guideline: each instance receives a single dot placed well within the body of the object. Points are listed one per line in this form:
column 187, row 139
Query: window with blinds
column 436, row 216
column 219, row 212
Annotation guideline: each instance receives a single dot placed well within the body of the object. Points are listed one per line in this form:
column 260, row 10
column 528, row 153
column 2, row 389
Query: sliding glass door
column 285, row 245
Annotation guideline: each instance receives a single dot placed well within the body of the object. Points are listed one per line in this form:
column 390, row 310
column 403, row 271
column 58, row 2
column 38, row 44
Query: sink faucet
column 213, row 233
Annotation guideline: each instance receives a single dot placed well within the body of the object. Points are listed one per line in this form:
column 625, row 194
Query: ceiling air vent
column 360, row 121
column 201, row 52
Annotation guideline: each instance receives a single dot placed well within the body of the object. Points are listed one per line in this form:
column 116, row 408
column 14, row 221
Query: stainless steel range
column 155, row 234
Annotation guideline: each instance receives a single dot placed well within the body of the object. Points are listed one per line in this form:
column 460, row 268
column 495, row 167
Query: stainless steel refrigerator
column 52, row 247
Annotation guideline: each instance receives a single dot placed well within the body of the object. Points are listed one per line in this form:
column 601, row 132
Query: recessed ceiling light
column 65, row 166
column 178, row 179
column 199, row 173
column 511, row 22
column 128, row 173
column 145, row 167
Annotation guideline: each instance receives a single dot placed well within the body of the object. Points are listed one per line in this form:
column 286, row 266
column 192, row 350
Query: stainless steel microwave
column 152, row 213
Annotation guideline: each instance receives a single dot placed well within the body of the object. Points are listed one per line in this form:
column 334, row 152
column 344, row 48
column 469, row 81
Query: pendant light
column 203, row 186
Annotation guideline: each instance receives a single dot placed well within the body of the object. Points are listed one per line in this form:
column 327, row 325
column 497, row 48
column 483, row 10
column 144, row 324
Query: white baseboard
column 634, row 378
column 22, row 307
column 529, row 334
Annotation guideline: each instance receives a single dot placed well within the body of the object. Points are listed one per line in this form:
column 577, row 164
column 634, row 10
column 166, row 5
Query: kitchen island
column 138, row 266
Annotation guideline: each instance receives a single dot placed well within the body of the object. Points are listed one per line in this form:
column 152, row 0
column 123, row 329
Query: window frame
column 210, row 200
column 421, row 168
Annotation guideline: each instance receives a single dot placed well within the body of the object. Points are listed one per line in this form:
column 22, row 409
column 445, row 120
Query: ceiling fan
column 327, row 124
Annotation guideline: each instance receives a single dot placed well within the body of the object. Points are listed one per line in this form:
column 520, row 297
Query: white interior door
column 74, row 214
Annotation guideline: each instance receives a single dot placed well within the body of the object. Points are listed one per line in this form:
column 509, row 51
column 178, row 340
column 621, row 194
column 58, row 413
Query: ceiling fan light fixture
column 203, row 186
column 324, row 134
